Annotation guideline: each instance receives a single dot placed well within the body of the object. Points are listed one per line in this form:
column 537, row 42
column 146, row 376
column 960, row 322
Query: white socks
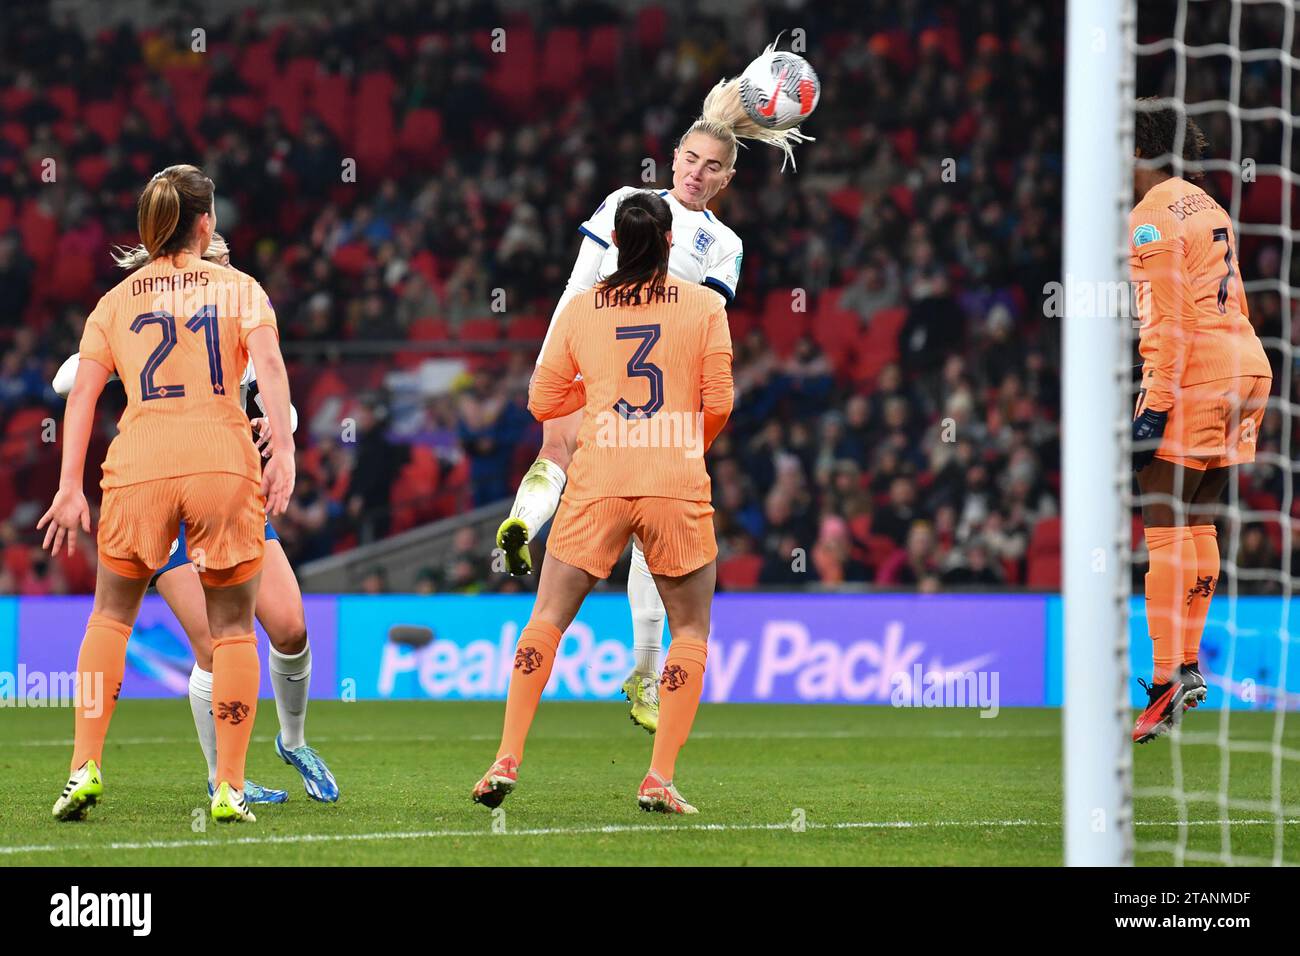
column 291, row 679
column 201, row 708
column 647, row 615
column 539, row 494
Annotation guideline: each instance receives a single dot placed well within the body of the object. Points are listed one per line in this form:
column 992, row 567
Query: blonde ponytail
column 724, row 118
column 134, row 257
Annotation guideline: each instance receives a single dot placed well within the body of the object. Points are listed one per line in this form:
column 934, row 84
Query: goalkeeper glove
column 1148, row 429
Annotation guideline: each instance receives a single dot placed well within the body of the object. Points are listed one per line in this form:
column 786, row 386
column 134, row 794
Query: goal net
column 1224, row 787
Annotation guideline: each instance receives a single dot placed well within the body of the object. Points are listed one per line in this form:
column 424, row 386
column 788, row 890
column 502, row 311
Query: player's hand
column 277, row 482
column 262, row 435
column 1148, row 429
column 68, row 512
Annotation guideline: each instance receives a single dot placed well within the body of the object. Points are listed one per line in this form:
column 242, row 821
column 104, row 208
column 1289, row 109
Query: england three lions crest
column 702, row 241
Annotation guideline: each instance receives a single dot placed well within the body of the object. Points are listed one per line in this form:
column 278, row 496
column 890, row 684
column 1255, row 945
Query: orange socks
column 534, row 658
column 235, row 677
column 679, row 698
column 1206, row 541
column 100, row 665
column 1169, row 580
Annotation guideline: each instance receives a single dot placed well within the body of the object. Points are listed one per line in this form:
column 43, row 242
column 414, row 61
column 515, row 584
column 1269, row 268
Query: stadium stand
column 901, row 430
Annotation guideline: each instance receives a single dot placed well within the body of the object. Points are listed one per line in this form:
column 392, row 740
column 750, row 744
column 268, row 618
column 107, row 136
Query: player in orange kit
column 1205, row 386
column 178, row 331
column 654, row 356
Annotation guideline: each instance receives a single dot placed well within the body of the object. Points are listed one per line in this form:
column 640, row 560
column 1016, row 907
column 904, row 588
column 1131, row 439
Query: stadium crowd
column 897, row 382
column 409, row 197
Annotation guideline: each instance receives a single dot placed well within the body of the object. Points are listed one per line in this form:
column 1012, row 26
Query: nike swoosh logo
column 770, row 108
column 295, row 680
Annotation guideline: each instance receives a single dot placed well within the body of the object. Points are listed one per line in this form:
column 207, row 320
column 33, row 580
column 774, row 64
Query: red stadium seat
column 64, row 99
column 352, row 258
column 836, row 330
column 1043, row 558
column 783, row 326
column 561, row 60
column 331, row 100
column 17, row 134
column 299, row 73
column 376, row 142
column 604, row 47
column 421, row 137
column 376, row 89
column 247, row 108
column 479, row 330
column 257, row 65
column 740, row 572
column 73, row 278
column 528, row 328
column 40, row 232
column 741, row 323
column 104, row 117
column 429, row 330
column 651, row 27
column 189, row 87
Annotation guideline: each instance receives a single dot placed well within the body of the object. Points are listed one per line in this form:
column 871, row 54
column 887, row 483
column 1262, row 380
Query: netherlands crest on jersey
column 702, row 241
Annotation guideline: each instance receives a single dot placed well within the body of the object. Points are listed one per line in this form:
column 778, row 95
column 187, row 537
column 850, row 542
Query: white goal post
column 1097, row 757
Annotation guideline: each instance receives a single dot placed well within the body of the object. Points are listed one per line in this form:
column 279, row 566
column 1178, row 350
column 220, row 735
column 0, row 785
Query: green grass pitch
column 870, row 786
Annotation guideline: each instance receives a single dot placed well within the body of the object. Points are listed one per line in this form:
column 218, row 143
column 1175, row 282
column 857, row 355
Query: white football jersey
column 704, row 250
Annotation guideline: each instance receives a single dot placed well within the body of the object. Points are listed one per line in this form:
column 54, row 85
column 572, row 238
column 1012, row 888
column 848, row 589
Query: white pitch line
column 699, row 735
column 613, row 828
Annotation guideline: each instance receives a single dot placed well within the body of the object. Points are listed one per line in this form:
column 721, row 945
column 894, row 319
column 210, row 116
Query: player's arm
column 723, row 272
column 555, row 390
column 1173, row 321
column 262, row 423
column 67, row 375
column 1167, row 330
column 585, row 274
column 260, row 337
column 717, row 388
column 273, row 385
column 69, row 509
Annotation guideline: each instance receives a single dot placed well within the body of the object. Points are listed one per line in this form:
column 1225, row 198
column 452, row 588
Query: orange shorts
column 676, row 535
column 1214, row 424
column 225, row 526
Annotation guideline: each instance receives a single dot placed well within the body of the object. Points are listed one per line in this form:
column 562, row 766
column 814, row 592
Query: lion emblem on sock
column 528, row 659
column 674, row 676
column 235, row 711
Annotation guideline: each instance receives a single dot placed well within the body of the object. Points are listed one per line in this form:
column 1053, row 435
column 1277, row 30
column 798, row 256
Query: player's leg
column 281, row 614
column 539, row 493
column 642, row 686
column 1204, row 509
column 587, row 539
column 179, row 586
column 225, row 526
column 688, row 600
column 230, row 595
column 101, row 662
column 681, row 552
column 1168, row 489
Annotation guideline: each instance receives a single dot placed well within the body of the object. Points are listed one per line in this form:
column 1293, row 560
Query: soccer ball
column 779, row 90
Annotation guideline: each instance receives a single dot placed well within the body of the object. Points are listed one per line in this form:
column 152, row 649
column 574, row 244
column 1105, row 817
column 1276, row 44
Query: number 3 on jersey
column 638, row 367
column 205, row 321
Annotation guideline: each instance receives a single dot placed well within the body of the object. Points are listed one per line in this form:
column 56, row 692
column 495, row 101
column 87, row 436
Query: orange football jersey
column 1195, row 322
column 177, row 337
